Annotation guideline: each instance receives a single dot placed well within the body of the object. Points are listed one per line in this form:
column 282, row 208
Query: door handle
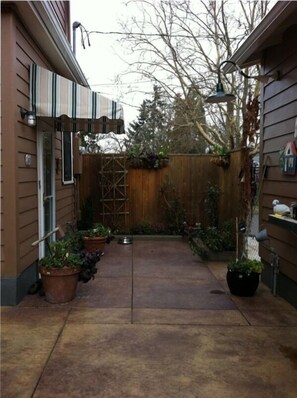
column 45, row 198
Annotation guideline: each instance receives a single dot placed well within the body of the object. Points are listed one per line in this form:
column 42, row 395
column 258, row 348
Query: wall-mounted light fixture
column 31, row 117
column 221, row 96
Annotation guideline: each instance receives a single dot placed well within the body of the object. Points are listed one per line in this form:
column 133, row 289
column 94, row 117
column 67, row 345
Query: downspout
column 275, row 271
column 75, row 25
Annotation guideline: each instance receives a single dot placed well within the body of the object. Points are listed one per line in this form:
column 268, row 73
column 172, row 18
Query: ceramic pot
column 242, row 283
column 94, row 243
column 59, row 284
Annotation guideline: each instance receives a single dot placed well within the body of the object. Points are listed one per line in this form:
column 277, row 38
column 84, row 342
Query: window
column 67, row 157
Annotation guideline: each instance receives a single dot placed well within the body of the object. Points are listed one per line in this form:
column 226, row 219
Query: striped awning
column 72, row 106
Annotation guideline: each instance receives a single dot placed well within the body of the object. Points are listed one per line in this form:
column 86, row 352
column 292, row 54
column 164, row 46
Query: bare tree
column 179, row 45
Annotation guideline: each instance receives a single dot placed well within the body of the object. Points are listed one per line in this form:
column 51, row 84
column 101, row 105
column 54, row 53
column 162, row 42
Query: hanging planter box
column 221, row 161
column 150, row 162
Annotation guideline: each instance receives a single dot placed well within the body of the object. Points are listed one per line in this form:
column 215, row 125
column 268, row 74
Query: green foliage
column 174, row 211
column 149, row 131
column 86, row 220
column 148, row 159
column 213, row 239
column 97, row 230
column 220, row 150
column 212, row 203
column 245, row 265
column 61, row 255
column 218, row 239
column 199, row 249
column 69, row 253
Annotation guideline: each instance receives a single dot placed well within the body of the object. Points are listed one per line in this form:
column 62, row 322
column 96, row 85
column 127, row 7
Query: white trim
column 40, row 188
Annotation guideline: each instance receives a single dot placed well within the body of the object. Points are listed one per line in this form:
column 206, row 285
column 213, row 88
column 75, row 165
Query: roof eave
column 40, row 21
column 249, row 53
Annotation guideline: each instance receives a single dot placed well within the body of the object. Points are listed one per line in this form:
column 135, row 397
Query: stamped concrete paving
column 155, row 322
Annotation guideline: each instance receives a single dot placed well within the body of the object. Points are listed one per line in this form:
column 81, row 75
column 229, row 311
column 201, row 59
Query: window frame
column 67, row 180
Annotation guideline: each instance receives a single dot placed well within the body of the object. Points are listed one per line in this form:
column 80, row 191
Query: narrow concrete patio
column 155, row 322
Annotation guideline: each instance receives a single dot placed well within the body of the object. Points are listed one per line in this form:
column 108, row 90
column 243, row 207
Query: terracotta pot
column 59, row 284
column 242, row 284
column 94, row 243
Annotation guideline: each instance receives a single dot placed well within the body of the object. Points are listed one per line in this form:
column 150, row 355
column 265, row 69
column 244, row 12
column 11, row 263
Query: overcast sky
column 102, row 62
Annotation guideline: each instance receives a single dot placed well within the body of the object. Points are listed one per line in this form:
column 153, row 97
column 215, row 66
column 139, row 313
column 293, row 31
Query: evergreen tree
column 149, row 131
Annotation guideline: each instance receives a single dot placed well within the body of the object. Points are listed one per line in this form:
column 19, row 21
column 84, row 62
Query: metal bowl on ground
column 125, row 240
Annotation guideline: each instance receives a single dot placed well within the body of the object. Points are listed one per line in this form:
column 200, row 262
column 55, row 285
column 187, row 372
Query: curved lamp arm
column 221, row 96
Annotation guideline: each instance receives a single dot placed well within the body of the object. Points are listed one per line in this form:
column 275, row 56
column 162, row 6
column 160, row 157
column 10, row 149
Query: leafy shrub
column 245, row 265
column 212, row 239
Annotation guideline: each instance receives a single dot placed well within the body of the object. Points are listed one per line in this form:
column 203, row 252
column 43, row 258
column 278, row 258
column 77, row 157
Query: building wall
column 19, row 210
column 279, row 118
column 62, row 10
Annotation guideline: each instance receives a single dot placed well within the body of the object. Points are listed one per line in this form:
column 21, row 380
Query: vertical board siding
column 188, row 175
column 279, row 118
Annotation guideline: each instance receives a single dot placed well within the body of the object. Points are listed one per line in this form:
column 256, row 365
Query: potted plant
column 96, row 237
column 243, row 276
column 63, row 267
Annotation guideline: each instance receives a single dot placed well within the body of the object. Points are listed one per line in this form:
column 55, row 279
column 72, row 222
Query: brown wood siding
column 20, row 188
column 187, row 174
column 26, row 53
column 62, row 12
column 65, row 198
column 279, row 117
column 9, row 246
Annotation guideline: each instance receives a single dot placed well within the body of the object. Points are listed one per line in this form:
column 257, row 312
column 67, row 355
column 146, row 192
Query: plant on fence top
column 148, row 159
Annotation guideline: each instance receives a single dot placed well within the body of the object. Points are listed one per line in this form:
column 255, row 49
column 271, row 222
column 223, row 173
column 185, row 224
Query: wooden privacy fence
column 124, row 197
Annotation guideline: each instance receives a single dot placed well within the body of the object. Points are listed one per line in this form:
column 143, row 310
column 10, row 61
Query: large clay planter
column 242, row 284
column 59, row 284
column 94, row 243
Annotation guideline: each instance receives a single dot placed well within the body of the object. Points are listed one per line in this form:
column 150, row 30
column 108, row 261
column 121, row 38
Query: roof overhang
column 268, row 33
column 40, row 21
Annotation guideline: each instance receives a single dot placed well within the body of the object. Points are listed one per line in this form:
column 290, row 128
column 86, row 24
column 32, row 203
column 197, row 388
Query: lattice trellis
column 114, row 208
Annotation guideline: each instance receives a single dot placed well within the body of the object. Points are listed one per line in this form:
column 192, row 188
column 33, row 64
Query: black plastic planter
column 242, row 284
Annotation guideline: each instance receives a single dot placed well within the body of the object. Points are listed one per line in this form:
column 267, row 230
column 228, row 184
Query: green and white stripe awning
column 72, row 106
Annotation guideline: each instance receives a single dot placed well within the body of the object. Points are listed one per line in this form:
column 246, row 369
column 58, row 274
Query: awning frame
column 72, row 106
